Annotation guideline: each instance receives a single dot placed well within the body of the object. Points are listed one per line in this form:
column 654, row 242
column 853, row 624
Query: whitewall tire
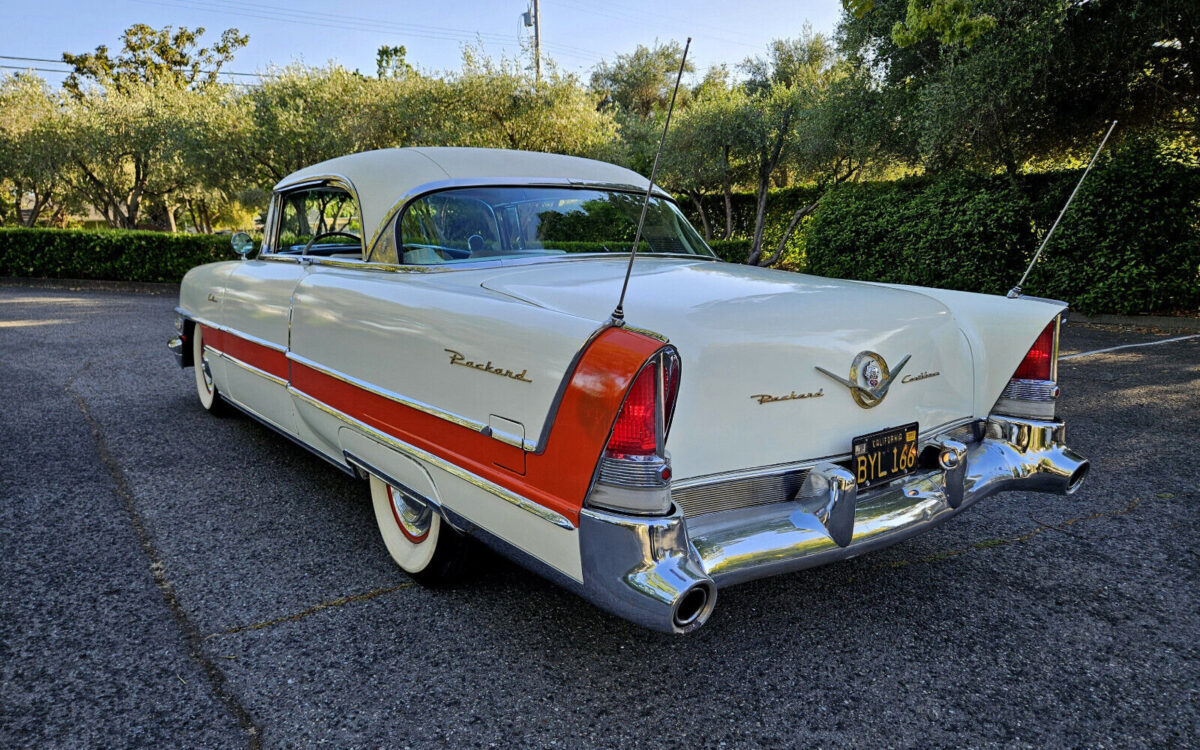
column 206, row 389
column 424, row 546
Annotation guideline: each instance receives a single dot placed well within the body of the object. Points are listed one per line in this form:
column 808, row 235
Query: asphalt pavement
column 171, row 579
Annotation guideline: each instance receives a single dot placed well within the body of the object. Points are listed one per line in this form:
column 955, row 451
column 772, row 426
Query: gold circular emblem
column 868, row 371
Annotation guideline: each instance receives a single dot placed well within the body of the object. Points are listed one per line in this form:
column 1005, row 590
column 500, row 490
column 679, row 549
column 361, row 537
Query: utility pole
column 533, row 17
column 537, row 43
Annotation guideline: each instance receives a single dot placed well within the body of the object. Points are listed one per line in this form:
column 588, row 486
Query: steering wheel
column 322, row 235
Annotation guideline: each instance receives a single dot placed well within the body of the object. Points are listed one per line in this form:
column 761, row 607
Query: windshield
column 474, row 223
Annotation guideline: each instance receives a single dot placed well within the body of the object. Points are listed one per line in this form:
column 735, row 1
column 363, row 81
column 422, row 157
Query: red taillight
column 635, row 433
column 1038, row 363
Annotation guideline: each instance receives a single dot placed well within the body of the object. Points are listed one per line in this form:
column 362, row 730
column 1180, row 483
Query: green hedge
column 1129, row 244
column 107, row 254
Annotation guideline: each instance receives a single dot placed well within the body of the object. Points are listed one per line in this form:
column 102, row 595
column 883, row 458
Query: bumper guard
column 663, row 572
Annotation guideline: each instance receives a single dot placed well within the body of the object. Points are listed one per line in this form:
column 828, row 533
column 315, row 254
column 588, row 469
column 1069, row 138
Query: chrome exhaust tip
column 693, row 607
column 1078, row 476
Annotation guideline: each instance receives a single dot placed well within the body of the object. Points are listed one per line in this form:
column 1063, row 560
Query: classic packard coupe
column 440, row 322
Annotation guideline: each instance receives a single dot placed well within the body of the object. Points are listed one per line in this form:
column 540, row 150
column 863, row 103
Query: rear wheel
column 206, row 389
column 424, row 547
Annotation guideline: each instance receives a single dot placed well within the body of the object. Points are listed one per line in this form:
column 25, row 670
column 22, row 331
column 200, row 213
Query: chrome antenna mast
column 618, row 315
column 1016, row 290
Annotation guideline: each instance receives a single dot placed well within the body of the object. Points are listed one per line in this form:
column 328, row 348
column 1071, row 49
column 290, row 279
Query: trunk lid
column 744, row 333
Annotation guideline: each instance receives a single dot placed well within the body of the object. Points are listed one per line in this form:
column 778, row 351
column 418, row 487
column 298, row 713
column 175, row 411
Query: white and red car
column 439, row 320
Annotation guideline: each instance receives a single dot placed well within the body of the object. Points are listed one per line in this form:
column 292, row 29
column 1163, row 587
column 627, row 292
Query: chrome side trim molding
column 507, row 495
column 226, row 329
column 248, row 367
column 421, row 406
column 471, row 424
column 355, row 461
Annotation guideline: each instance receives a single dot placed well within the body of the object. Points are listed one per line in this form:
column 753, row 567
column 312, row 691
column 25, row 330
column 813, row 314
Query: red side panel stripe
column 264, row 358
column 557, row 479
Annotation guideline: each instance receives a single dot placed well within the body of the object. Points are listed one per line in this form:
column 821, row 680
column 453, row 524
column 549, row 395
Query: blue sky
column 576, row 33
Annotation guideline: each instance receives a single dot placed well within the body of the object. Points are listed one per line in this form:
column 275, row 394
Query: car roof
column 385, row 177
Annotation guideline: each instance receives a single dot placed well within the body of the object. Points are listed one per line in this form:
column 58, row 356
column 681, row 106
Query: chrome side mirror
column 242, row 244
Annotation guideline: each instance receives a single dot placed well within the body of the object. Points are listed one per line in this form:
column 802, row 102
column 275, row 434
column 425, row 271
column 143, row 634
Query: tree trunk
column 206, row 216
column 727, row 190
column 191, row 209
column 170, row 218
column 767, row 162
column 760, row 214
column 703, row 214
column 787, row 233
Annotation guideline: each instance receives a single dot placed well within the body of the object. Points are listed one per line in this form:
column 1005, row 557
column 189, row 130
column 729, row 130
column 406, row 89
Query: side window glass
column 321, row 221
column 444, row 227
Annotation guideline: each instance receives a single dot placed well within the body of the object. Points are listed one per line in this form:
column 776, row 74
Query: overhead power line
column 358, row 23
column 39, row 70
column 60, row 62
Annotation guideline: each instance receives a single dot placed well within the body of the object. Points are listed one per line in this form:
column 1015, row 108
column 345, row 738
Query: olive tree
column 166, row 57
column 133, row 147
column 495, row 103
column 641, row 81
column 784, row 91
column 702, row 153
column 34, row 155
column 299, row 116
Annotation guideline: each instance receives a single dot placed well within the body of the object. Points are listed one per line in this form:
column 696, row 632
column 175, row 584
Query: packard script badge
column 461, row 360
column 869, row 379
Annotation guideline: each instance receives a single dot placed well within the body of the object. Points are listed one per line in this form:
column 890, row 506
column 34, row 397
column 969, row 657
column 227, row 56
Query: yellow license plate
column 885, row 455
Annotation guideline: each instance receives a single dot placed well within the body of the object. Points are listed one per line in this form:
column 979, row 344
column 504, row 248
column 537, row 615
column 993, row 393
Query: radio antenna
column 1016, row 290
column 618, row 315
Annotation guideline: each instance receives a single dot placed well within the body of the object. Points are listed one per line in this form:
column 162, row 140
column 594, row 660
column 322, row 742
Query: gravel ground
column 172, row 579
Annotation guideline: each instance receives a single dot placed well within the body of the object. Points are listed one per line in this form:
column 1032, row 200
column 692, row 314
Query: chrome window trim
column 438, row 186
column 497, row 261
column 279, row 257
column 336, row 180
column 458, row 419
column 542, row 512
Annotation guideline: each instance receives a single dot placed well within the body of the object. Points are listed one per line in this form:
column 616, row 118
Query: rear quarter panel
column 999, row 330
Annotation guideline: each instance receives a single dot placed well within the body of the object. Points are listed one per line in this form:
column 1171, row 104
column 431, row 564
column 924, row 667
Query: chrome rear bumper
column 663, row 572
column 176, row 347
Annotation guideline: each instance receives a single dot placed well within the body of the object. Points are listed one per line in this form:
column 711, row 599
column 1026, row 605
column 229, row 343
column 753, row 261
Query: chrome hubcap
column 412, row 515
column 208, row 380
